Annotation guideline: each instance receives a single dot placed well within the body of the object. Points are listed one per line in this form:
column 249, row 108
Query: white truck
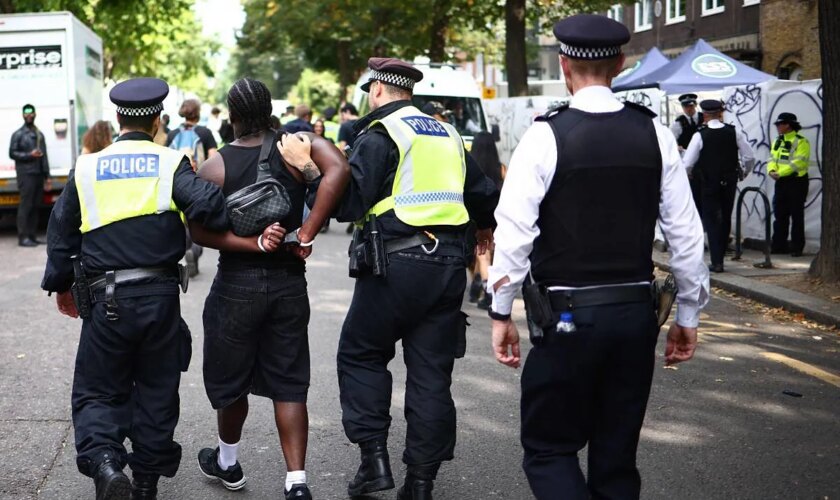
column 452, row 87
column 53, row 62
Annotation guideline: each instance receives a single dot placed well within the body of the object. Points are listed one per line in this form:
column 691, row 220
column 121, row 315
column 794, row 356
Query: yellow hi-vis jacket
column 790, row 155
column 428, row 187
column 331, row 130
column 127, row 179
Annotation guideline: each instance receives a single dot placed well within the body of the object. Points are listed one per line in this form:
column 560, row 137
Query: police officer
column 121, row 213
column 713, row 153
column 788, row 166
column 683, row 128
column 575, row 223
column 414, row 190
column 29, row 151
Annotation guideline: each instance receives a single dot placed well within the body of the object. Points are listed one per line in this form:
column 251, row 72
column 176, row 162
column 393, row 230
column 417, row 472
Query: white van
column 451, row 86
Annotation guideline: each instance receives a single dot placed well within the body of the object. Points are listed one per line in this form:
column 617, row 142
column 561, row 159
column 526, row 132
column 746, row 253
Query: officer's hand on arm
column 680, row 345
column 296, row 151
column 65, row 303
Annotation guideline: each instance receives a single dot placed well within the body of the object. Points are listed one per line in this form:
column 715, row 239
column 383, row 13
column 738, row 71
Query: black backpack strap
column 264, row 166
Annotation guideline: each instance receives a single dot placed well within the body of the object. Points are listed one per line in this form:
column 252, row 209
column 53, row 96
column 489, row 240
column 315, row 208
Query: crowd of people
column 570, row 224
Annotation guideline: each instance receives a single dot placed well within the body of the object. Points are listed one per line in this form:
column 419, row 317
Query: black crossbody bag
column 255, row 207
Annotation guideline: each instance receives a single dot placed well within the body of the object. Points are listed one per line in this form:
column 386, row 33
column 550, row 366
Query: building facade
column 790, row 39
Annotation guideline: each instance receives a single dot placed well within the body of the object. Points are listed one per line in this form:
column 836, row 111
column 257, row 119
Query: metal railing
column 767, row 231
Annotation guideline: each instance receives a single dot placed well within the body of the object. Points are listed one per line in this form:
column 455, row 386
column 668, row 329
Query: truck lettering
column 14, row 58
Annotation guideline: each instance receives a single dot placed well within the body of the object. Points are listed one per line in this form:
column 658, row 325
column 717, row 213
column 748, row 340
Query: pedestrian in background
column 790, row 158
column 330, row 125
column 346, row 133
column 302, row 122
column 125, row 227
column 319, row 129
column 683, row 128
column 194, row 140
column 287, row 116
column 575, row 224
column 487, row 157
column 714, row 153
column 28, row 149
column 257, row 313
column 97, row 137
column 414, row 293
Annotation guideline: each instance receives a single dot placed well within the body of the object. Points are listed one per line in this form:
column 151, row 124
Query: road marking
column 804, row 368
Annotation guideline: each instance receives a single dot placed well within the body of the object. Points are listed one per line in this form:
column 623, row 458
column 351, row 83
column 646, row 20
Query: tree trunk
column 345, row 73
column 516, row 63
column 440, row 28
column 827, row 263
column 7, row 7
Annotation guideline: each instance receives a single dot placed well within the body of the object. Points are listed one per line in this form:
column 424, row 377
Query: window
column 644, row 15
column 616, row 13
column 747, row 3
column 713, row 7
column 675, row 11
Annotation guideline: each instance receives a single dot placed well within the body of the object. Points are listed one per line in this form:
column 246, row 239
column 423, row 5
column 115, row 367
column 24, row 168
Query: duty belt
column 110, row 279
column 423, row 240
column 566, row 300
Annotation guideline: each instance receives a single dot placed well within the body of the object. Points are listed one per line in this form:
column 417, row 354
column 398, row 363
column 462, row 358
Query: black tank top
column 241, row 171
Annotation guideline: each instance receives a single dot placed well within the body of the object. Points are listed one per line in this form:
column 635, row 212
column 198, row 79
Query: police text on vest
column 424, row 125
column 127, row 166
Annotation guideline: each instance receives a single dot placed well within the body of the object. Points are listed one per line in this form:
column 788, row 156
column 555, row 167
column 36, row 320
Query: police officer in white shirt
column 712, row 156
column 576, row 216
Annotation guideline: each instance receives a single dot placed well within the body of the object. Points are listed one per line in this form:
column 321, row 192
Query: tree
column 318, row 89
column 516, row 62
column 827, row 263
column 161, row 38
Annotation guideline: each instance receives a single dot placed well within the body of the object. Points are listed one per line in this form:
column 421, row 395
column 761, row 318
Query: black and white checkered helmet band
column 393, row 79
column 144, row 111
column 589, row 52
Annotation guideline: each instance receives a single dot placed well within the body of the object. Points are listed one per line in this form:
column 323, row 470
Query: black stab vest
column 718, row 161
column 597, row 218
column 688, row 129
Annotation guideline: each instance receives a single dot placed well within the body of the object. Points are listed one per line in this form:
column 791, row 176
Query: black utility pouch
column 537, row 310
column 461, row 343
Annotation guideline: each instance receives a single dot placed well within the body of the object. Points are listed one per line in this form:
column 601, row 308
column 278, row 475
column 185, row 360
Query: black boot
column 419, row 482
column 375, row 470
column 111, row 482
column 144, row 487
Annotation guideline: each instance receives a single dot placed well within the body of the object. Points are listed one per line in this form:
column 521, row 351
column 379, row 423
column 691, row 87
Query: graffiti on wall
column 753, row 109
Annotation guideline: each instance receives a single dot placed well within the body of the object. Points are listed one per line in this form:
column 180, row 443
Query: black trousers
column 419, row 303
column 718, row 201
column 696, row 184
column 789, row 204
column 126, row 382
column 31, row 187
column 589, row 387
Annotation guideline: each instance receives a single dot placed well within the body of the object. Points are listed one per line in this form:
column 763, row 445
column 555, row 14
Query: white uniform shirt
column 676, row 128
column 528, row 178
column 692, row 152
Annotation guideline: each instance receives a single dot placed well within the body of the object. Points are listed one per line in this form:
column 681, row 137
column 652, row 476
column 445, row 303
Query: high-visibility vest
column 331, row 130
column 790, row 154
column 127, row 179
column 428, row 187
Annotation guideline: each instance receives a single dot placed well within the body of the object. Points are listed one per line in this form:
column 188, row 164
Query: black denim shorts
column 255, row 336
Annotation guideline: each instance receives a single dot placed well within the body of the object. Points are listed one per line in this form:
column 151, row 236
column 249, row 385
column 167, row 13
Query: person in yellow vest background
column 412, row 194
column 330, row 125
column 114, row 240
column 790, row 156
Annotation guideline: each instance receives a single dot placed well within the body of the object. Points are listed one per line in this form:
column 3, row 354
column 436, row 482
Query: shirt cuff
column 502, row 298
column 688, row 315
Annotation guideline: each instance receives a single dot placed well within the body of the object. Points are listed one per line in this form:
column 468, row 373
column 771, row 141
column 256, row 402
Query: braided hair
column 249, row 102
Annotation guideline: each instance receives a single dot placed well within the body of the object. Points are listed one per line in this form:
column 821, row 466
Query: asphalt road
column 719, row 426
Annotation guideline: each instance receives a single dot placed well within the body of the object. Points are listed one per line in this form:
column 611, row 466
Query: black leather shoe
column 36, row 240
column 144, row 486
column 27, row 242
column 374, row 472
column 419, row 482
column 298, row 492
column 111, row 482
column 716, row 268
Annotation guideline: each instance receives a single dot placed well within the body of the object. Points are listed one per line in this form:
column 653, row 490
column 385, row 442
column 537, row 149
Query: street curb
column 815, row 309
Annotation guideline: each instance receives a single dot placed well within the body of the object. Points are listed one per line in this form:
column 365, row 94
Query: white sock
column 227, row 454
column 294, row 477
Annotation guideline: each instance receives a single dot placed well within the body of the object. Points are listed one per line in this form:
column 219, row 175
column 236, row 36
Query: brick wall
column 789, row 31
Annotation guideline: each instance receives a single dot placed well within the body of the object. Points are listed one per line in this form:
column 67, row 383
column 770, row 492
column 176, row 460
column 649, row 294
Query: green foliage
column 317, row 89
column 158, row 38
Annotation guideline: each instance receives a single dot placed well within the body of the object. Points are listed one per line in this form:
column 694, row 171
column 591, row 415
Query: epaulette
column 552, row 112
column 639, row 107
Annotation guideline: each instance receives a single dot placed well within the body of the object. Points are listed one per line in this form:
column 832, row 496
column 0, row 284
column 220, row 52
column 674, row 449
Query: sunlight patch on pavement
column 673, row 434
column 805, row 368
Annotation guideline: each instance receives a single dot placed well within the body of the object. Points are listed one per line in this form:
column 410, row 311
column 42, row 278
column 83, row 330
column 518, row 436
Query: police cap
column 788, row 118
column 139, row 96
column 590, row 36
column 688, row 99
column 711, row 105
column 393, row 72
column 28, row 109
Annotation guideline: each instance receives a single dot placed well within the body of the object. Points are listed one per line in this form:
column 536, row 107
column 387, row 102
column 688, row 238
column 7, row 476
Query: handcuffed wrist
column 259, row 244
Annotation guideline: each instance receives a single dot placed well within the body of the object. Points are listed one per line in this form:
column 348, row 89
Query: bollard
column 767, row 230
